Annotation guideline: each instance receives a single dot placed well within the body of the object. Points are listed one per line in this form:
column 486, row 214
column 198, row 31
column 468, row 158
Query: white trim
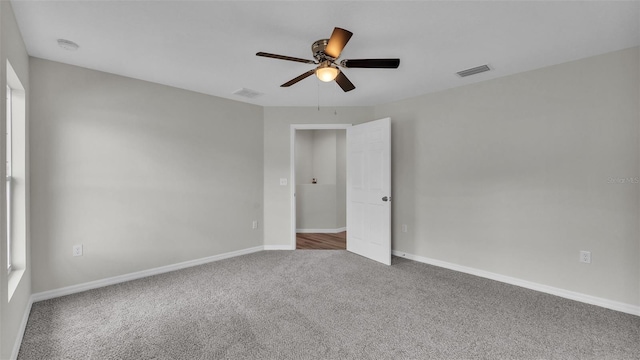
column 567, row 294
column 292, row 183
column 68, row 290
column 322, row 231
column 320, row 126
column 278, row 247
column 21, row 330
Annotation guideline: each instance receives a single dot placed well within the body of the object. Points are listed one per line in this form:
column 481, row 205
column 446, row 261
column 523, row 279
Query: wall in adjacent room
column 12, row 311
column 324, row 157
column 516, row 175
column 320, row 154
column 142, row 175
column 304, row 156
column 341, row 179
column 277, row 161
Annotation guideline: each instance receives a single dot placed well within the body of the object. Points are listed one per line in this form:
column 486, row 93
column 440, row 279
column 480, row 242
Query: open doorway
column 319, row 178
column 368, row 150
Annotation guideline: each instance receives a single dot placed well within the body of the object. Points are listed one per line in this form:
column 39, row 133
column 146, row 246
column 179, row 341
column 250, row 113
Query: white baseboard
column 21, row 330
column 321, row 231
column 278, row 247
column 593, row 300
column 50, row 294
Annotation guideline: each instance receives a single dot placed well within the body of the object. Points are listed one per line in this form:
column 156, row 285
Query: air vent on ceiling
column 68, row 44
column 473, row 71
column 248, row 93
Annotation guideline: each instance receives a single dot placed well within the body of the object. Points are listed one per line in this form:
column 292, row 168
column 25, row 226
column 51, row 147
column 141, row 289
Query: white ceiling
column 210, row 46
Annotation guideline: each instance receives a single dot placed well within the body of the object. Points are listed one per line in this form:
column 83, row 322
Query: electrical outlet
column 254, row 225
column 77, row 250
column 283, row 181
column 404, row 228
column 585, row 257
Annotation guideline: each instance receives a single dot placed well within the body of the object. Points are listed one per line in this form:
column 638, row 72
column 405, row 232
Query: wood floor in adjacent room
column 317, row 241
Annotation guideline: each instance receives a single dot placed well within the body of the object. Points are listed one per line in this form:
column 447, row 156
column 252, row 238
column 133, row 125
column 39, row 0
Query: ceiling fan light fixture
column 327, row 73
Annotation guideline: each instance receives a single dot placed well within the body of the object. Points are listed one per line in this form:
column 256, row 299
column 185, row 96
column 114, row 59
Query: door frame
column 292, row 177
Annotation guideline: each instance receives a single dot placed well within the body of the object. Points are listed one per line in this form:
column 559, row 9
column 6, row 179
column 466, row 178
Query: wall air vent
column 248, row 93
column 473, row 71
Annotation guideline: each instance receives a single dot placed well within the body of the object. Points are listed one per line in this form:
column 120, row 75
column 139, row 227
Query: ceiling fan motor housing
column 318, row 47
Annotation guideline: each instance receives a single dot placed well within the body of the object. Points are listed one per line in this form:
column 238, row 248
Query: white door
column 369, row 190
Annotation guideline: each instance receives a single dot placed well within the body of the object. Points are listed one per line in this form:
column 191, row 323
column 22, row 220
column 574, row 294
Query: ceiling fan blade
column 282, row 57
column 344, row 83
column 338, row 40
column 371, row 63
column 301, row 77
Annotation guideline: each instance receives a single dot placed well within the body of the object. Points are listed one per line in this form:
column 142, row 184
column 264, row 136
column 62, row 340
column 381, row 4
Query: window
column 16, row 182
column 8, row 175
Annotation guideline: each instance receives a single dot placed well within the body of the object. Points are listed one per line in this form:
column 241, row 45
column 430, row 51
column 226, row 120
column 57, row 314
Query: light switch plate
column 585, row 256
column 77, row 250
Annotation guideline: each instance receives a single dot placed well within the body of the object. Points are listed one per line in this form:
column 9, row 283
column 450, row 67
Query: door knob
column 386, row 198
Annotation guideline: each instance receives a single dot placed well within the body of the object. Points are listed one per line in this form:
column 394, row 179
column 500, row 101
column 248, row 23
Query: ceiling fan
column 326, row 53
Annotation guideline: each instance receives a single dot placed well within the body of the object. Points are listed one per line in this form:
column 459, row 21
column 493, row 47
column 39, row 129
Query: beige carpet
column 320, row 304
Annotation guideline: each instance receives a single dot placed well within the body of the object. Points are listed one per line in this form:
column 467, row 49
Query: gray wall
column 324, row 157
column 316, row 207
column 341, row 179
column 516, row 175
column 277, row 160
column 320, row 154
column 304, row 156
column 143, row 175
column 11, row 312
